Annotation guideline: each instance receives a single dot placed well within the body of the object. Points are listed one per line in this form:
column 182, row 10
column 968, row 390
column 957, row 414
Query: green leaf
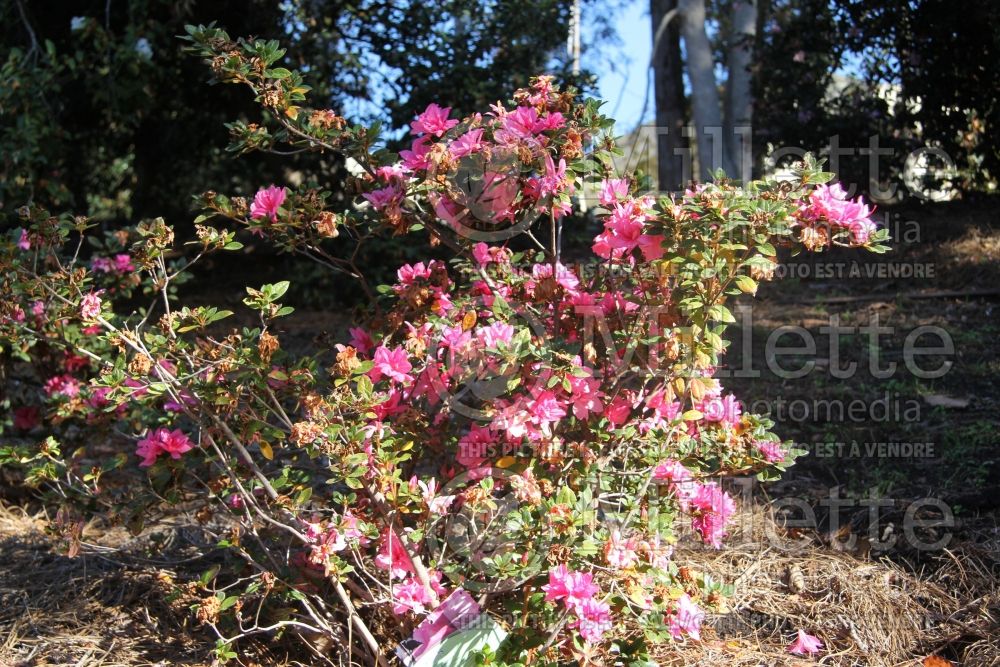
column 277, row 290
column 209, row 574
column 720, row 313
column 746, row 284
column 277, row 73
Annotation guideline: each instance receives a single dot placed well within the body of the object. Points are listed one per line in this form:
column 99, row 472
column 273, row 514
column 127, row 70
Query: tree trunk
column 739, row 94
column 704, row 91
column 673, row 168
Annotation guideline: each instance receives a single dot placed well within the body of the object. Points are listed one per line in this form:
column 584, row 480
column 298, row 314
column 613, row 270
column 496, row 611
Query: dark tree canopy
column 103, row 113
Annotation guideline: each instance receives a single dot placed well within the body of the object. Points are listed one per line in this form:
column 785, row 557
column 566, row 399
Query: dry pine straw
column 93, row 612
column 866, row 612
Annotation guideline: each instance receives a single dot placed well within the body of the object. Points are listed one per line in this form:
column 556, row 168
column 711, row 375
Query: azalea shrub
column 515, row 439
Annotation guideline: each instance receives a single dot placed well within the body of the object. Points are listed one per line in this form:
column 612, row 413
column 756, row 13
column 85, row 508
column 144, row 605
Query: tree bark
column 673, row 168
column 739, row 94
column 705, row 109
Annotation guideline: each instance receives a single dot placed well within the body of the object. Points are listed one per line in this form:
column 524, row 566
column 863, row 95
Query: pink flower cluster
column 577, row 592
column 62, row 385
column 717, row 409
column 710, row 506
column 409, row 595
column 432, row 277
column 162, row 441
column 830, row 204
column 120, row 264
column 625, row 228
column 499, row 145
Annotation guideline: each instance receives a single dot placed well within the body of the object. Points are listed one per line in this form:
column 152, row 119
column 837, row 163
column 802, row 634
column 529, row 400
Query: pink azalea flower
column 416, row 159
column 499, row 192
column 266, row 203
column 829, row 203
column 360, row 340
column 683, row 486
column 686, row 619
column 481, row 253
column 350, row 529
column 513, row 419
column 99, row 398
column 522, row 123
column 17, row 315
column 726, row 409
column 435, row 504
column 618, row 411
column 594, row 619
column 771, row 449
column 554, row 182
column 162, row 441
column 186, row 401
column 434, row 120
column 476, row 446
column 612, row 190
column 468, row 143
column 410, row 273
column 392, row 556
column 388, row 198
column 714, row 507
column 123, row 263
column 586, row 397
column 621, row 553
column 390, row 407
column 495, row 334
column 312, row 530
column 564, row 275
column 393, row 364
column 90, row 306
column 411, row 595
column 571, row 587
column 671, row 470
column 551, row 121
column 64, row 385
column 392, row 173
column 624, row 232
column 805, row 644
column 546, row 408
column 657, row 553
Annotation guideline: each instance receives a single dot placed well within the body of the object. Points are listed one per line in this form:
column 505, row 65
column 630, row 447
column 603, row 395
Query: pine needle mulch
column 110, row 607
